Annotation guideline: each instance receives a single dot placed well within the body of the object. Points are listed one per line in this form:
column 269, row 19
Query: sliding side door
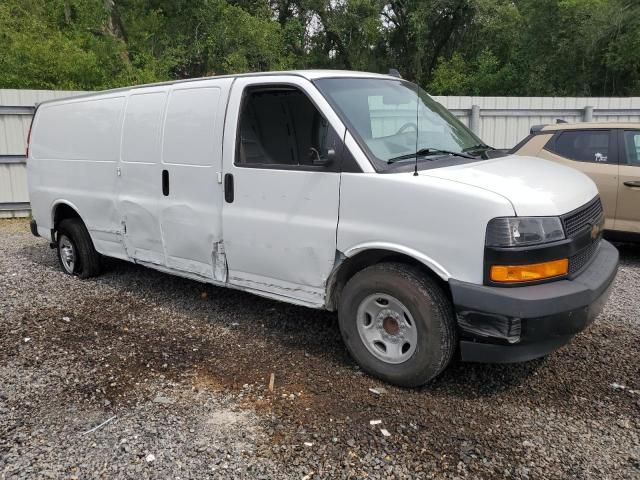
column 191, row 200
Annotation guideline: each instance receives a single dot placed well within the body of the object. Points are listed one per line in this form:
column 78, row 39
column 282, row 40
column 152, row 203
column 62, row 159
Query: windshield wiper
column 429, row 151
column 480, row 146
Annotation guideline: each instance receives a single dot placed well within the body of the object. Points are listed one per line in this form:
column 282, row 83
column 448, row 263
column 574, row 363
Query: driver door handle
column 228, row 188
column 632, row 184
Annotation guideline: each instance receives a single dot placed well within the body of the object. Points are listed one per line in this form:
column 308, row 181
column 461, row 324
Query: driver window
column 280, row 126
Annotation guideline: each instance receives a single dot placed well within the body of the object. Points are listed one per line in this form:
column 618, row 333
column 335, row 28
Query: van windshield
column 389, row 120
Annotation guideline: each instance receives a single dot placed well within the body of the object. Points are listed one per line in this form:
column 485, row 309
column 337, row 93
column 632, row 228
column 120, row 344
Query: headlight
column 521, row 231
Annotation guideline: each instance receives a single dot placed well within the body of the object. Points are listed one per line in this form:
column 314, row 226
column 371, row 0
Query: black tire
column 87, row 259
column 432, row 314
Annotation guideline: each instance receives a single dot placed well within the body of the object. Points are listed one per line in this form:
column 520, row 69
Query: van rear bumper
column 504, row 325
column 34, row 228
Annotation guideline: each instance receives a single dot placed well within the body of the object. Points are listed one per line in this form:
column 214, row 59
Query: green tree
column 63, row 44
column 463, row 47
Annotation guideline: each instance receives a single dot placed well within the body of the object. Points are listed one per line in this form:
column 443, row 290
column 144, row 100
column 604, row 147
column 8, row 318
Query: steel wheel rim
column 387, row 328
column 67, row 253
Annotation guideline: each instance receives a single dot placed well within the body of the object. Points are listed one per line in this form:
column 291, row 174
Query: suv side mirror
column 318, row 161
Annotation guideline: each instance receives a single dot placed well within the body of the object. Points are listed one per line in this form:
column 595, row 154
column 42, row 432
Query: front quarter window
column 390, row 119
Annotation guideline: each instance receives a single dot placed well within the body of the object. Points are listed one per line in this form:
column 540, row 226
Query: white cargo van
column 352, row 192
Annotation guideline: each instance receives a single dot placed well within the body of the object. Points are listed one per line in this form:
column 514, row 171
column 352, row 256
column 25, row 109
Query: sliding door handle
column 165, row 182
column 632, row 184
column 228, row 188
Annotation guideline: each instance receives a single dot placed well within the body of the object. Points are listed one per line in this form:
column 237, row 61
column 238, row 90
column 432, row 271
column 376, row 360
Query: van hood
column 535, row 187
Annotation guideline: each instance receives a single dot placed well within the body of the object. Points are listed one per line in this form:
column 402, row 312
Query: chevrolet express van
column 345, row 191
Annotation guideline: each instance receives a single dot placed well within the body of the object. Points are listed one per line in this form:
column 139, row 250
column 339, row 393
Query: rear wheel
column 398, row 324
column 76, row 253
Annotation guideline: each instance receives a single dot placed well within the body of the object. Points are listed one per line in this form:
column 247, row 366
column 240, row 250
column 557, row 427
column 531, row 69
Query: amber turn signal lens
column 529, row 273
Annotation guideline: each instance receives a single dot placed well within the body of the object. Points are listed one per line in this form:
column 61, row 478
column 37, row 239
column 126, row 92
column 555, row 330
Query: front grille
column 585, row 216
column 578, row 261
column 578, row 223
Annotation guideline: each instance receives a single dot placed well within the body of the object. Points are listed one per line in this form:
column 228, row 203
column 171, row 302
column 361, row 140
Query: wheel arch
column 362, row 256
column 62, row 210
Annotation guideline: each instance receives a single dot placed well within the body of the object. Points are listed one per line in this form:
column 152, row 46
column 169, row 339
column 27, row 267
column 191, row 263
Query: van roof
column 308, row 74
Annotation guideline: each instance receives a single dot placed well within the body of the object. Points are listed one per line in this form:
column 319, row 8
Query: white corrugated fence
column 503, row 121
column 500, row 121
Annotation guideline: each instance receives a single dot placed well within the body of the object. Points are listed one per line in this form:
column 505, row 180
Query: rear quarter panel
column 73, row 159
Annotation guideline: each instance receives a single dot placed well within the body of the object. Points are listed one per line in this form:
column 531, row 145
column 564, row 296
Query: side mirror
column 318, row 161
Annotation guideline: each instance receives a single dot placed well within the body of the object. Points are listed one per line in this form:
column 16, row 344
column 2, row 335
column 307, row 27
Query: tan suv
column 609, row 153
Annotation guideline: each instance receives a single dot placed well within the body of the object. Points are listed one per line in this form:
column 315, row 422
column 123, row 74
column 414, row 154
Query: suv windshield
column 386, row 115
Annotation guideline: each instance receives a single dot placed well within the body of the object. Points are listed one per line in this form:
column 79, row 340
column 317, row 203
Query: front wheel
column 398, row 324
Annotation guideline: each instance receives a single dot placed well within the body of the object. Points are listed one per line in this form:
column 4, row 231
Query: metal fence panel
column 500, row 121
column 13, row 183
column 13, row 133
column 16, row 110
column 504, row 121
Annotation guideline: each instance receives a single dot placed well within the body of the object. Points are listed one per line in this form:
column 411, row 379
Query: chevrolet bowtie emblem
column 595, row 230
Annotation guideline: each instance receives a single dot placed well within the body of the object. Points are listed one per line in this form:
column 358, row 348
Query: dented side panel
column 189, row 236
column 191, row 214
column 282, row 226
column 219, row 260
column 139, row 175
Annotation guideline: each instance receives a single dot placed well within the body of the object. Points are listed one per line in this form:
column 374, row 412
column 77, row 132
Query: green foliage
column 458, row 47
column 484, row 76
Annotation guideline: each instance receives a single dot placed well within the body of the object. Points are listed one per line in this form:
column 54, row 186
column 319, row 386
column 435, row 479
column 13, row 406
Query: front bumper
column 503, row 325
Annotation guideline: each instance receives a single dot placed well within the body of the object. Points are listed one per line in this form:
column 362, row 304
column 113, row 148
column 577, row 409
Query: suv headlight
column 523, row 231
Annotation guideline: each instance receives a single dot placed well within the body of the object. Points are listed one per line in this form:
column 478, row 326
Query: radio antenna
column 415, row 170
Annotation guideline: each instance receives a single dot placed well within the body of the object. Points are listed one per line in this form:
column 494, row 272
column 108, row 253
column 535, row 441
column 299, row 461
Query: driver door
column 282, row 187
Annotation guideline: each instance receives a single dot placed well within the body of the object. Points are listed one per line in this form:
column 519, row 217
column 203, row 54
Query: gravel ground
column 180, row 371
